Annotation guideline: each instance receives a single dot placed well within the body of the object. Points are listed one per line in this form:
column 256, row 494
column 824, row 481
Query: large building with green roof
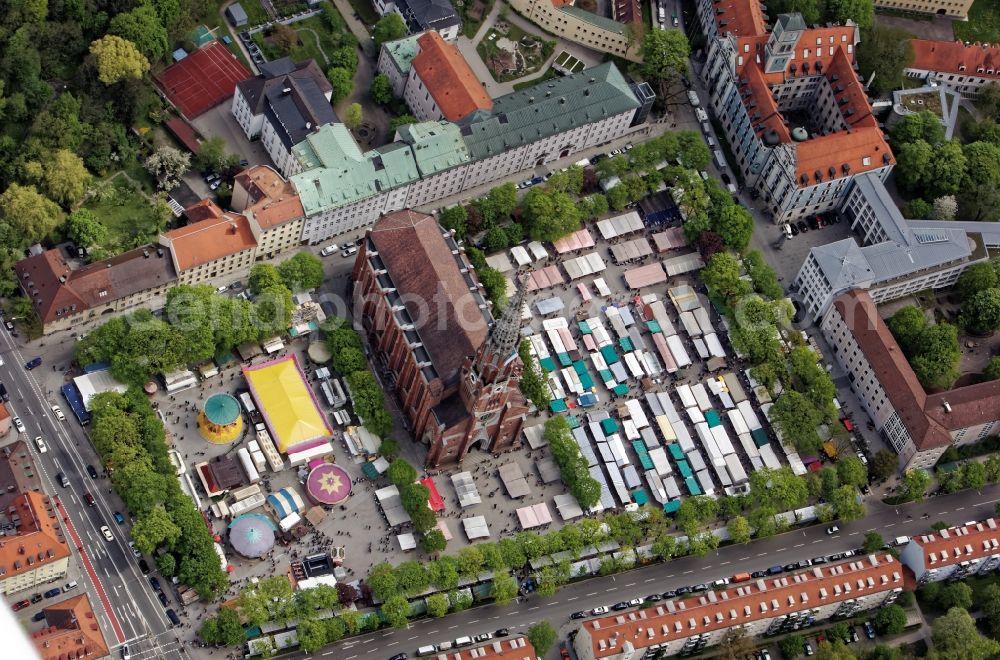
column 343, row 189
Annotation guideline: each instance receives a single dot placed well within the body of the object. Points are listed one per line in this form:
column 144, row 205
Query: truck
column 901, row 541
column 75, row 401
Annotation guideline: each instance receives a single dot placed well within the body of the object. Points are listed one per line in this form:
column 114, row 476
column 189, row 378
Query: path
column 319, row 45
column 136, row 184
column 365, row 40
column 232, row 35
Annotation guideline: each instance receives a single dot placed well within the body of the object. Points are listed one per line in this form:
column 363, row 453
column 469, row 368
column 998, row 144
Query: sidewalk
column 365, row 40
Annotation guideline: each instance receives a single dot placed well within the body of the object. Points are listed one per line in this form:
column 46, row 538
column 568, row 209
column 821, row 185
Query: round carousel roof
column 222, row 409
column 252, row 535
column 318, row 352
column 328, row 484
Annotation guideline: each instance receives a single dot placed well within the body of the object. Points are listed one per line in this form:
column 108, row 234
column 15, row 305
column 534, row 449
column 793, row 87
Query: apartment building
column 272, row 207
column 70, row 631
column 964, row 68
column 560, row 17
column 768, row 606
column 791, row 106
column 440, row 84
column 954, row 553
column 423, row 15
column 895, row 257
column 281, row 105
column 952, row 8
column 66, row 292
column 37, row 552
column 918, row 426
column 343, row 189
column 395, row 59
column 216, row 244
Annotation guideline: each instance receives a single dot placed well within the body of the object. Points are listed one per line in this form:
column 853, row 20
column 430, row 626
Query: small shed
column 236, row 14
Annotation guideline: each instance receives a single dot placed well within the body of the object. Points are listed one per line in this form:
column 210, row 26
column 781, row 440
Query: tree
column 354, row 116
column 739, row 530
column 974, row 475
column 153, row 529
column 460, row 600
column 955, row 637
column 981, row 313
column 989, row 604
column 503, row 198
column 342, row 82
column 861, row 12
column 84, row 229
column 884, row 464
column 263, row 277
column 437, row 605
column 454, row 219
column 346, row 594
column 284, row 37
column 411, row 576
column 434, row 541
column 945, row 208
column 389, row 28
column 915, row 483
column 835, row 650
column 736, row 644
column 31, row 215
column 846, row 505
column 495, row 239
column 396, row 611
column 65, row 177
column 852, row 471
column 211, row 155
column 884, row 52
column 302, row 271
column 167, row 165
column 955, row 594
column 976, row 278
column 117, row 59
column 504, row 588
column 791, row 646
column 542, row 636
column 873, row 542
column 230, row 630
column 381, row 89
column 495, row 285
column 913, row 165
column 143, row 28
column 722, row 276
column 906, row 326
column 780, row 489
column 382, row 581
column 992, row 370
column 209, row 631
column 401, row 120
column 735, row 225
column 665, row 54
column 795, row 416
column 532, row 384
column 549, row 215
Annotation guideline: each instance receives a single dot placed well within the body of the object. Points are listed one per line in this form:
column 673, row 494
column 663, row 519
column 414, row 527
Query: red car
column 20, row 605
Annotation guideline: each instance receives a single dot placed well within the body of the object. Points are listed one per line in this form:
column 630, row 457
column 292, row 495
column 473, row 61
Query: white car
column 135, row 550
column 693, row 98
column 603, row 609
column 107, row 533
column 19, row 425
column 222, row 289
column 832, row 529
column 348, row 251
column 57, row 411
column 40, row 444
column 328, row 250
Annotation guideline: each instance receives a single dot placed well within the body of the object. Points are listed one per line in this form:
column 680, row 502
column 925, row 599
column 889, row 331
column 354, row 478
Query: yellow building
column 273, row 208
column 38, row 552
column 953, row 8
column 561, row 18
column 216, row 245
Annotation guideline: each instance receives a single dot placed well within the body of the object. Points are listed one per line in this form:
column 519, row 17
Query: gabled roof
column 272, row 200
column 425, row 273
column 428, row 14
column 448, row 78
column 956, row 57
column 59, row 287
column 219, row 235
column 959, row 543
column 71, row 631
column 38, row 539
column 292, row 97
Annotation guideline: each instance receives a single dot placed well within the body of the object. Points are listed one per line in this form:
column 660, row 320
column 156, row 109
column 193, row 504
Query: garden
column 317, row 38
column 131, row 216
column 510, row 53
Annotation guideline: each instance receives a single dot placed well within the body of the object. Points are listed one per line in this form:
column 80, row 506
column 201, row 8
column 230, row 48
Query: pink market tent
column 533, row 516
column 643, row 276
column 545, row 278
column 436, row 502
column 670, row 239
column 442, row 526
column 578, row 240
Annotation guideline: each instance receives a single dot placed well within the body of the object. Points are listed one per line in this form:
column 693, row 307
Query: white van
column 426, row 650
column 720, row 160
column 463, row 641
column 328, row 250
column 711, row 141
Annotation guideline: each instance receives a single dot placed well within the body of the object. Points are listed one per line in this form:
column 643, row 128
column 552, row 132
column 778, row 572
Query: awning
column 578, row 240
column 548, row 471
column 670, row 239
column 643, row 276
column 500, row 262
column 476, row 527
column 513, row 480
column 465, row 489
column 435, row 501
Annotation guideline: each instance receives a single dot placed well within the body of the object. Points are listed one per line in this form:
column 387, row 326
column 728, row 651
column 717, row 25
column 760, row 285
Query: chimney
column 947, row 407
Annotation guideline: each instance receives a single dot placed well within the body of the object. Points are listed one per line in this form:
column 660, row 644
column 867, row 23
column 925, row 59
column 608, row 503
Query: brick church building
column 454, row 369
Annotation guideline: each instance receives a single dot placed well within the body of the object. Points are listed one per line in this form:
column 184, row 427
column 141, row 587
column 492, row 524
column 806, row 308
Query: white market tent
column 533, row 516
column 95, row 382
column 631, row 250
column 550, row 305
column 520, row 255
column 548, row 471
column 620, row 225
column 670, row 239
column 476, row 528
column 533, row 434
column 584, row 265
column 683, row 264
column 567, row 506
column 537, row 251
column 513, row 480
column 406, row 542
column 643, row 276
column 392, row 506
column 500, row 262
column 465, row 489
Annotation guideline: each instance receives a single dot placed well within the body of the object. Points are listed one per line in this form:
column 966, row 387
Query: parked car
column 92, row 471
column 153, row 582
column 680, row 591
column 654, row 598
column 39, row 616
column 807, row 648
column 699, row 587
column 119, row 518
column 398, row 656
column 602, row 609
column 173, row 617
column 348, row 251
column 51, row 593
column 40, row 444
column 869, row 630
column 791, row 567
column 108, row 536
column 818, row 560
column 144, row 566
column 803, row 227
column 793, row 228
column 70, row 586
column 853, row 635
column 135, row 550
column 9, row 325
column 502, row 632
column 832, row 529
column 163, row 598
column 19, row 425
column 759, row 574
column 805, row 563
column 32, row 363
column 328, row 250
column 579, row 615
column 36, row 598
column 57, row 411
column 21, row 604
column 669, row 594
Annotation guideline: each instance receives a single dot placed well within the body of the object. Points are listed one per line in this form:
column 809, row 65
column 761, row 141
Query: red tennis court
column 203, row 79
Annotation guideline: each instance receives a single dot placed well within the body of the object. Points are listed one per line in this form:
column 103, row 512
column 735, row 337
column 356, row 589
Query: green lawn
column 131, row 220
column 983, row 24
column 365, row 11
column 255, row 13
column 550, row 73
column 535, row 57
column 307, row 47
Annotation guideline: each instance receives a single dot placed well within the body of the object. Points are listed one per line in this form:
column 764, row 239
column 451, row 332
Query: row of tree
column 532, row 384
column 573, row 467
column 367, row 396
column 415, row 498
column 131, row 441
column 931, row 348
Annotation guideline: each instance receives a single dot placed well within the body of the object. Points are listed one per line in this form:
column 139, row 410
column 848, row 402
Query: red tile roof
column 219, row 235
column 39, row 539
column 437, row 297
column 448, row 78
column 925, row 416
column 740, row 604
column 626, row 11
column 951, row 56
column 741, row 18
column 71, row 631
column 960, row 543
column 273, row 200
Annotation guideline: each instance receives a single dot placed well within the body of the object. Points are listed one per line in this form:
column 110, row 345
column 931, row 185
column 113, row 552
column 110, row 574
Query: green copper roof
column 595, row 20
column 437, row 145
column 402, row 51
column 546, row 109
column 222, row 409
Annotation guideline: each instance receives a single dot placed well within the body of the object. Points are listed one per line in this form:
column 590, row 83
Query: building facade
column 953, row 8
column 395, row 59
column 281, row 105
column 272, row 207
column 343, row 189
column 423, row 15
column 918, row 426
column 453, row 369
column 791, row 106
column 440, row 84
column 561, row 18
column 964, row 68
column 763, row 607
column 37, row 552
column 954, row 553
column 217, row 244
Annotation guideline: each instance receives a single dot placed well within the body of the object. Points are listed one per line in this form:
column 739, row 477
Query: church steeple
column 505, row 335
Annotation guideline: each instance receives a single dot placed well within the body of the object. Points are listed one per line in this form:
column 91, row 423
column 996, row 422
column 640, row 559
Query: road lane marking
column 890, row 524
column 818, row 541
column 781, row 549
column 762, row 554
column 611, row 589
column 725, row 562
column 743, row 558
column 392, row 643
column 961, row 508
column 630, row 584
column 532, row 609
column 650, row 580
column 452, row 627
column 573, row 598
column 410, row 639
column 477, row 620
column 799, row 545
column 687, row 572
column 851, row 534
column 593, row 593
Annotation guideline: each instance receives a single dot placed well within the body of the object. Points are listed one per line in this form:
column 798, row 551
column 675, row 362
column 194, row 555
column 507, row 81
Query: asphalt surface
column 890, row 522
column 126, row 606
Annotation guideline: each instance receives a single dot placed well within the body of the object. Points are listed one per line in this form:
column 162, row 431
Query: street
column 657, row 578
column 126, row 607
